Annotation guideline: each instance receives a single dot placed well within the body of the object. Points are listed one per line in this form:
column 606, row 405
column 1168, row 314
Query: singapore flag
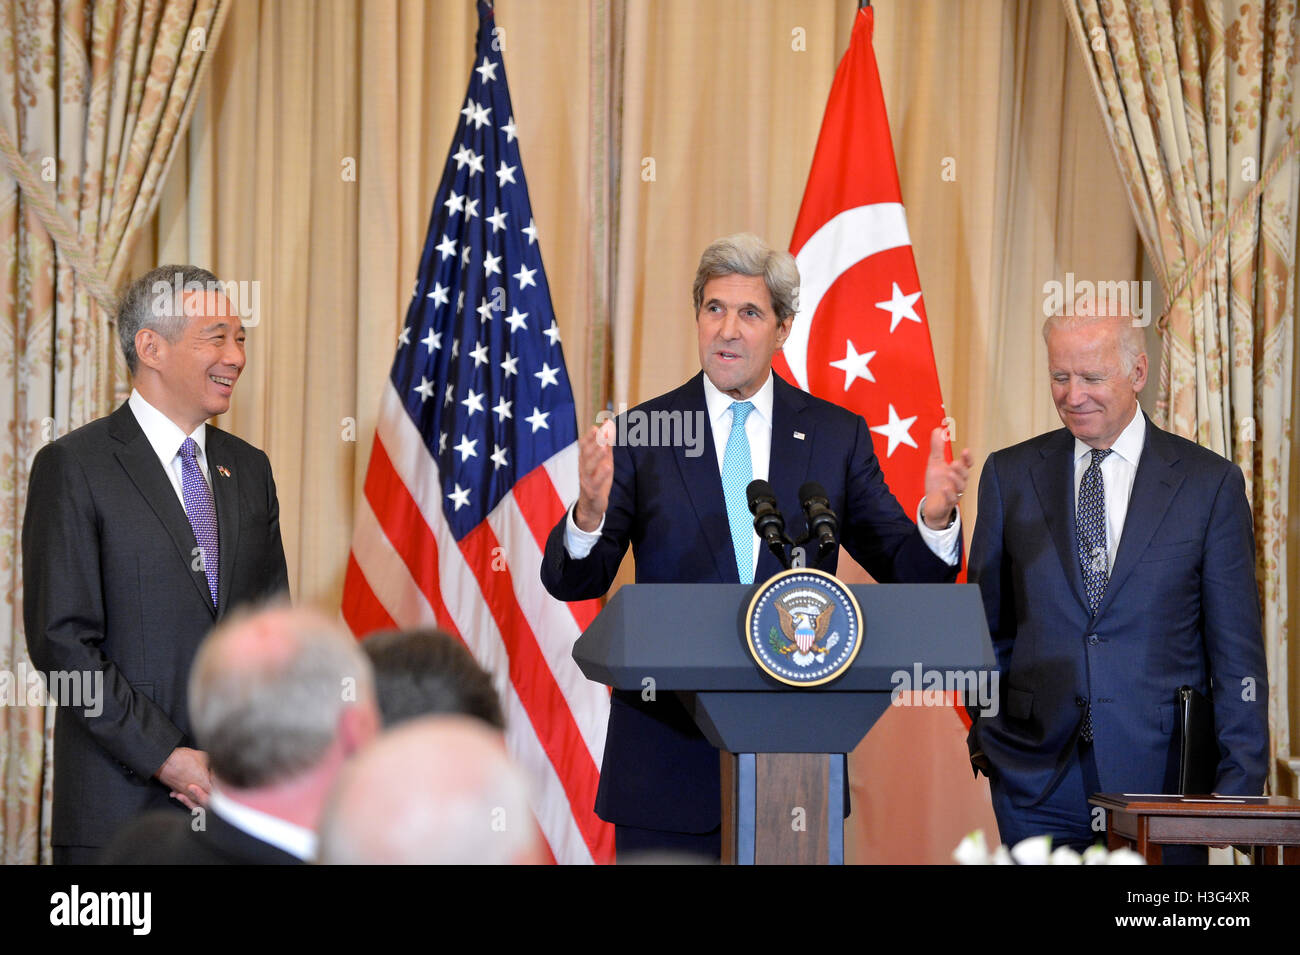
column 861, row 339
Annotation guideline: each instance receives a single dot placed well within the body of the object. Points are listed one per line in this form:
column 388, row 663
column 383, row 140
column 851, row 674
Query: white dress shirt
column 289, row 836
column 1117, row 473
column 758, row 429
column 166, row 438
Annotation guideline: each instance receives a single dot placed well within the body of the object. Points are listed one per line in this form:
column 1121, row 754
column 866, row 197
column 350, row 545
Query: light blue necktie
column 737, row 472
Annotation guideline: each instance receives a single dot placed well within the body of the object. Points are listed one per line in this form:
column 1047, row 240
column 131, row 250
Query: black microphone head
column 758, row 491
column 811, row 490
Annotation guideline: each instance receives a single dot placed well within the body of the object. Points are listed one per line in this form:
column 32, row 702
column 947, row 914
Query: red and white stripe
column 406, row 570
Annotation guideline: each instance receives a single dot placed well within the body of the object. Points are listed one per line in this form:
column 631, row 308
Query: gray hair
column 746, row 254
column 1132, row 339
column 154, row 301
column 267, row 690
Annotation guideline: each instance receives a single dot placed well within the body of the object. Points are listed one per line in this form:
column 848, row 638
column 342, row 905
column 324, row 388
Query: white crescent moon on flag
column 840, row 244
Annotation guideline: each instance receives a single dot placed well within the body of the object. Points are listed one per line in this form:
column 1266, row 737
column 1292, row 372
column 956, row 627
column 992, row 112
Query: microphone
column 768, row 522
column 822, row 522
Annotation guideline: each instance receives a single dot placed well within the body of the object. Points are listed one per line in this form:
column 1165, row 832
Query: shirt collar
column 719, row 403
column 1129, row 443
column 163, row 433
column 282, row 834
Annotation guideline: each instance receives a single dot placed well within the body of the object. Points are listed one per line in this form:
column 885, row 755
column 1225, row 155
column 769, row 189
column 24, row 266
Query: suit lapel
column 225, row 494
column 1154, row 487
column 1053, row 479
column 704, row 484
column 788, row 462
column 145, row 471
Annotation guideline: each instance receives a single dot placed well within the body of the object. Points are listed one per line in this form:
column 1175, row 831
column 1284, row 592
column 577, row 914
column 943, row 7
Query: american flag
column 473, row 462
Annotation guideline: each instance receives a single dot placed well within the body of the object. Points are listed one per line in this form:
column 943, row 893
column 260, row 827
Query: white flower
column 1125, row 857
column 1032, row 851
column 1095, row 855
column 972, row 850
column 1001, row 857
column 1064, row 855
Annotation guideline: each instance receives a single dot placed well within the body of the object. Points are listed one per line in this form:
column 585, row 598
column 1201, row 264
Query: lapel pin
column 799, row 435
column 221, row 469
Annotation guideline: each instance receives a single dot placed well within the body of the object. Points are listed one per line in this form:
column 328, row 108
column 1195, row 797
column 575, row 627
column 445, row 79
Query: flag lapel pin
column 221, row 469
column 798, row 435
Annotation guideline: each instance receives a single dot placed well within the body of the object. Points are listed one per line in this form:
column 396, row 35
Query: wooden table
column 1268, row 827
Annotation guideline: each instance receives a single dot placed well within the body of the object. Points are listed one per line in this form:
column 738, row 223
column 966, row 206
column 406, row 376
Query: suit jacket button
column 1093, row 640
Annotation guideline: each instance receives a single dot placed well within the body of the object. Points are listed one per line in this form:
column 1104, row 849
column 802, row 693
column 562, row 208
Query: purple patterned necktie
column 201, row 512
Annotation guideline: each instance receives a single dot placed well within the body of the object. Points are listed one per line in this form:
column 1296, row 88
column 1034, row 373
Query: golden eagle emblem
column 805, row 617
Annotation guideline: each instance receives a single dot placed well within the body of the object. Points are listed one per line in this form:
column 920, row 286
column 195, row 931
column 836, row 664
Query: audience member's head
column 434, row 790
column 279, row 695
column 427, row 672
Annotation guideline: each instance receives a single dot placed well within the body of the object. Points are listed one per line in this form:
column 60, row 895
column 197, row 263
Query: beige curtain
column 648, row 129
column 1202, row 113
column 94, row 98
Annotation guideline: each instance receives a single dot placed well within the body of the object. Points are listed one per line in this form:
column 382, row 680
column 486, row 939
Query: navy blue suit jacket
column 658, row 771
column 1180, row 608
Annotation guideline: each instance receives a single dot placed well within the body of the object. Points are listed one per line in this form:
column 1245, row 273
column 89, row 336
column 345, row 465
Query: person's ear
column 783, row 332
column 150, row 347
column 1140, row 373
column 358, row 725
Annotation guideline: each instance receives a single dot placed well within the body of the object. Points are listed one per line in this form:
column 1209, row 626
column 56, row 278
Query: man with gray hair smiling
column 687, row 520
column 142, row 530
column 280, row 699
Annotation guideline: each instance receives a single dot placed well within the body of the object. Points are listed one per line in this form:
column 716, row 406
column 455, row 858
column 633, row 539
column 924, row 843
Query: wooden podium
column 784, row 781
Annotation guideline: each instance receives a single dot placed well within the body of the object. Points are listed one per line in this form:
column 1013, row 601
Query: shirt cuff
column 579, row 542
column 945, row 544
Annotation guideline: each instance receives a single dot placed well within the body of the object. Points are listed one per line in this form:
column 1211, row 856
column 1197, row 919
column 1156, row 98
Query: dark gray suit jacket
column 112, row 588
column 168, row 837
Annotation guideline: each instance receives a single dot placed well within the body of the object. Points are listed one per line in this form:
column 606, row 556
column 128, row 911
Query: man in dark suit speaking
column 684, row 511
column 143, row 529
column 1117, row 564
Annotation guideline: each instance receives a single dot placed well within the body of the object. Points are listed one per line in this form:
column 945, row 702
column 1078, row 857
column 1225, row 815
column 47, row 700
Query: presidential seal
column 803, row 627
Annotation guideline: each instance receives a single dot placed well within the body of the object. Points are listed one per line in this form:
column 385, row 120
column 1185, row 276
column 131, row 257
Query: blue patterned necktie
column 201, row 512
column 1094, row 559
column 737, row 472
column 1090, row 526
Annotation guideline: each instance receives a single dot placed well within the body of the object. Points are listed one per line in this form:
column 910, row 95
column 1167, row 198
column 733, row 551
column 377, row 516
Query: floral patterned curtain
column 1199, row 98
column 94, row 98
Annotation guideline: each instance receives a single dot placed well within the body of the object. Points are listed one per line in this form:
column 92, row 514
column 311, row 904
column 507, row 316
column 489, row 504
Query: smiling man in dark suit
column 143, row 529
column 684, row 512
column 1117, row 564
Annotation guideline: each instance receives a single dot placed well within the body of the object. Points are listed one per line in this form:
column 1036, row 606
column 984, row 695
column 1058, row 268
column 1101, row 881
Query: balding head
column 436, row 790
column 273, row 692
